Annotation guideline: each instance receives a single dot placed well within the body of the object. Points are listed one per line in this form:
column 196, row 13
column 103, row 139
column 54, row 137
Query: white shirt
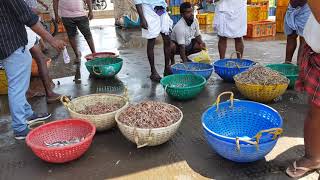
column 183, row 34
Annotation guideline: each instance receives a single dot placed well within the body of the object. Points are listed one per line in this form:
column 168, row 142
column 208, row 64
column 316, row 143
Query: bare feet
column 302, row 167
column 155, row 77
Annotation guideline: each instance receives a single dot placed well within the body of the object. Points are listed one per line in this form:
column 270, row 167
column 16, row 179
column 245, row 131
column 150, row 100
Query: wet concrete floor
column 187, row 155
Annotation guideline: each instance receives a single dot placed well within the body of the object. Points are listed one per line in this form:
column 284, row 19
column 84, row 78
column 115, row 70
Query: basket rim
column 204, row 81
column 220, row 60
column 100, row 53
column 88, row 138
column 100, row 94
column 88, row 63
column 201, row 70
column 162, row 128
column 235, row 102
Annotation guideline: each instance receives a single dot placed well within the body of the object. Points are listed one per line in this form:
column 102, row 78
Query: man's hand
column 90, row 15
column 144, row 23
column 59, row 45
column 203, row 46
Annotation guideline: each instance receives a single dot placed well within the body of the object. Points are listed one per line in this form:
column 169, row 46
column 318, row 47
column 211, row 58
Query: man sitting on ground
column 186, row 37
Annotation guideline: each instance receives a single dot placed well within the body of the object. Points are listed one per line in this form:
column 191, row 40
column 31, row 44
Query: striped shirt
column 14, row 15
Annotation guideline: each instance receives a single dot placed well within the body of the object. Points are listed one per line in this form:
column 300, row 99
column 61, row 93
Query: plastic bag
column 203, row 57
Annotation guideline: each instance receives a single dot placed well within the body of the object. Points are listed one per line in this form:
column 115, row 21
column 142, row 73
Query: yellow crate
column 3, row 82
column 253, row 13
column 205, row 18
column 175, row 10
column 280, row 13
column 263, row 15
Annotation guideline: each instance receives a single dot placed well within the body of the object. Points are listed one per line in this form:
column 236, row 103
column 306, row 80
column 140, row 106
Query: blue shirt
column 152, row 3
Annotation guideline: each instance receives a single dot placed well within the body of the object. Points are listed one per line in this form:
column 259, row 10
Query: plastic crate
column 257, row 1
column 272, row 11
column 253, row 12
column 3, row 82
column 263, row 15
column 280, row 13
column 205, row 18
column 261, row 29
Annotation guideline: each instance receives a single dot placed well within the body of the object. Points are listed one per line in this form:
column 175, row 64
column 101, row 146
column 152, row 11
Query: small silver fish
column 65, row 143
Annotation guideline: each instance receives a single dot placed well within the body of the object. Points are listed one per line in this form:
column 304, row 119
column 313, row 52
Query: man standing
column 16, row 59
column 155, row 21
column 186, row 37
column 296, row 18
column 40, row 58
column 230, row 22
column 73, row 16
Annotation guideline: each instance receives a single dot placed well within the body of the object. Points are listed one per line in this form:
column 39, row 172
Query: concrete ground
column 187, row 155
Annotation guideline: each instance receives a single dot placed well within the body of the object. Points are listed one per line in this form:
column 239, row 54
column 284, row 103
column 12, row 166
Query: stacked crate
column 257, row 19
column 281, row 10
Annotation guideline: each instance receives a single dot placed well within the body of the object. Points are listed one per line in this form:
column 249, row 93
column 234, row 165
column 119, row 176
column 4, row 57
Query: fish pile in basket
column 261, row 75
column 99, row 108
column 150, row 115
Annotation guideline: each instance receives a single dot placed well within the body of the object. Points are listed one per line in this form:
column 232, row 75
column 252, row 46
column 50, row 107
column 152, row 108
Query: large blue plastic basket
column 201, row 69
column 241, row 131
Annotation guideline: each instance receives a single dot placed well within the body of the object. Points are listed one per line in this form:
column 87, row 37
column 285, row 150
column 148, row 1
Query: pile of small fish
column 99, row 108
column 260, row 75
column 150, row 114
column 178, row 85
column 232, row 64
column 64, row 143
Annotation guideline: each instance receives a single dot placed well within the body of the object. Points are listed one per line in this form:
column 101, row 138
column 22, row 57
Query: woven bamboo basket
column 101, row 121
column 148, row 137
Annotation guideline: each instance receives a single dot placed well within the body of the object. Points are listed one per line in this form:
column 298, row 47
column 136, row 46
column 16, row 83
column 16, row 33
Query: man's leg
column 196, row 47
column 173, row 50
column 291, row 47
column 300, row 51
column 239, row 46
column 222, row 46
column 71, row 29
column 84, row 27
column 311, row 159
column 150, row 52
column 167, row 54
column 18, row 70
column 41, row 61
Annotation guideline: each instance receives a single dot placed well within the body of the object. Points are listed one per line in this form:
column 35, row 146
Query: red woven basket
column 58, row 131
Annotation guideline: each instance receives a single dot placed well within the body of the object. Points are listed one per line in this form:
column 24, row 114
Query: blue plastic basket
column 201, row 69
column 241, row 131
column 227, row 68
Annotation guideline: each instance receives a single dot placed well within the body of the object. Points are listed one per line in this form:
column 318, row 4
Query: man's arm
column 315, row 8
column 200, row 41
column 89, row 3
column 57, row 44
column 182, row 50
column 143, row 21
column 56, row 10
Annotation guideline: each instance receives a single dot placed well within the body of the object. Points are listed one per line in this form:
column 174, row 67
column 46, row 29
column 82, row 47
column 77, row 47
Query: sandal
column 302, row 170
column 287, row 62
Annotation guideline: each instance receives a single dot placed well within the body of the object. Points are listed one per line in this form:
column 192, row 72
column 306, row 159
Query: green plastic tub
column 183, row 86
column 104, row 67
column 291, row 71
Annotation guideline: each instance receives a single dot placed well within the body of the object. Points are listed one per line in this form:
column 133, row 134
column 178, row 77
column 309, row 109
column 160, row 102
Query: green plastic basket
column 289, row 70
column 104, row 67
column 183, row 86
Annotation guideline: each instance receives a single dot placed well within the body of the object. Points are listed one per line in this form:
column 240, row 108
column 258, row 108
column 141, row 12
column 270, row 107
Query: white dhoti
column 231, row 18
column 156, row 24
column 32, row 38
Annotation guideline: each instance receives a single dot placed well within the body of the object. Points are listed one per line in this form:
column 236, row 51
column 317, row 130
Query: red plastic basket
column 58, row 131
column 100, row 55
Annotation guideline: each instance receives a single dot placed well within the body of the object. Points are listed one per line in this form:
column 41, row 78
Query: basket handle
column 275, row 131
column 235, row 52
column 136, row 139
column 95, row 71
column 225, row 93
column 65, row 101
column 247, row 141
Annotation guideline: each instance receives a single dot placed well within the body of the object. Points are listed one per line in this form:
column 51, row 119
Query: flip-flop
column 287, row 62
column 303, row 170
column 55, row 99
column 155, row 79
